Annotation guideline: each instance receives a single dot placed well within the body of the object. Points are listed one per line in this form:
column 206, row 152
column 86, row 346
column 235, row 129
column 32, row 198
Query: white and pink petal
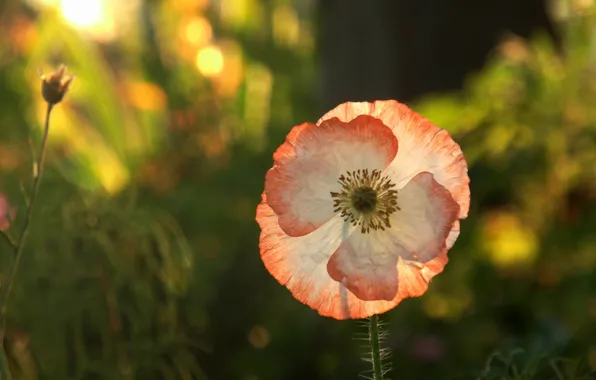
column 308, row 165
column 366, row 264
column 301, row 264
column 425, row 219
column 422, row 147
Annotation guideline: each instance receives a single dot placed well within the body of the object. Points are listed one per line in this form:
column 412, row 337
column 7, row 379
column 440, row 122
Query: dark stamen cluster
column 366, row 199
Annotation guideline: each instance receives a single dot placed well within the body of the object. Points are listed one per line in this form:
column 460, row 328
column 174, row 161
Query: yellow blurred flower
column 507, row 240
column 145, row 96
column 210, row 61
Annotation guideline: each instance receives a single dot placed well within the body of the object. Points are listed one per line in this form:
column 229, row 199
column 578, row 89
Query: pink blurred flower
column 7, row 213
column 428, row 348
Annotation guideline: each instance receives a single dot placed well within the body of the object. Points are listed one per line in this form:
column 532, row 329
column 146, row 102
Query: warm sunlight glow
column 210, row 61
column 90, row 15
column 83, row 14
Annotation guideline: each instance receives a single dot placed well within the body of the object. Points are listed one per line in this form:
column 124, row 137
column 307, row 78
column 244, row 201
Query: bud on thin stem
column 55, row 85
column 53, row 88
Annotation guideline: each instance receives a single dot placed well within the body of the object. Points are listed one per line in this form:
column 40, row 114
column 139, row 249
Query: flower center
column 366, row 199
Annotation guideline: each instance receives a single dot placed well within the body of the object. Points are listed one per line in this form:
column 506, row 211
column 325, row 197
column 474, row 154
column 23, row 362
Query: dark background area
column 418, row 47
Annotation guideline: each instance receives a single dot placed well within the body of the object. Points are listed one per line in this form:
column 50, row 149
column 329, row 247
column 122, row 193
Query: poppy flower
column 360, row 209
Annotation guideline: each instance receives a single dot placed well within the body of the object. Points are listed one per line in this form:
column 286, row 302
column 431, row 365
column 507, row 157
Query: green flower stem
column 375, row 344
column 18, row 247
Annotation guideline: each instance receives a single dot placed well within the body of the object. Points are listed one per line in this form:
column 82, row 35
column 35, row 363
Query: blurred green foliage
column 143, row 259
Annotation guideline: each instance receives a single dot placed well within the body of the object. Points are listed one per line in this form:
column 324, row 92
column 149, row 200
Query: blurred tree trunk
column 402, row 49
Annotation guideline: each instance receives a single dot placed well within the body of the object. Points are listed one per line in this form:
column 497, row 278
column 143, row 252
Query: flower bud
column 55, row 85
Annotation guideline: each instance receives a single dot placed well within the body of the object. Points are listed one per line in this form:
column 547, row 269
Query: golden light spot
column 198, row 31
column 508, row 241
column 233, row 71
column 210, row 61
column 146, row 96
column 286, row 26
column 259, row 337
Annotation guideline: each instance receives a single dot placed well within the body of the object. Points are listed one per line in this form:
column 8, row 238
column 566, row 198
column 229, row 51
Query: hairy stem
column 18, row 247
column 375, row 345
